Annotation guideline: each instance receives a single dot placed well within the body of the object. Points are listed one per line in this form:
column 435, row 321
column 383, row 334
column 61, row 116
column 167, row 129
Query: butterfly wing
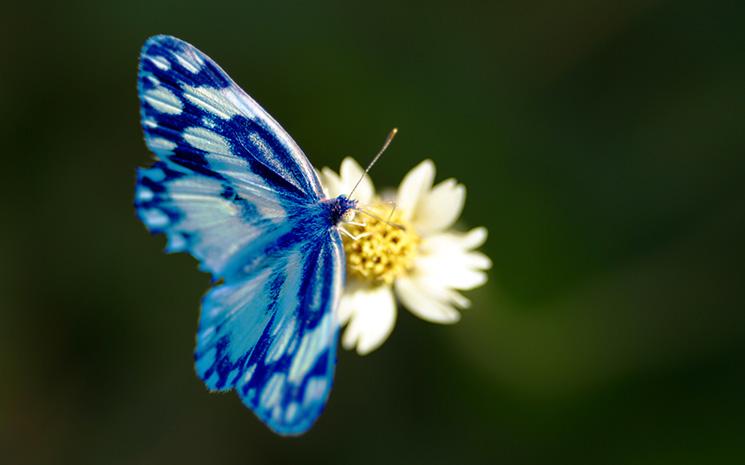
column 272, row 336
column 229, row 175
column 233, row 189
column 223, row 223
column 193, row 114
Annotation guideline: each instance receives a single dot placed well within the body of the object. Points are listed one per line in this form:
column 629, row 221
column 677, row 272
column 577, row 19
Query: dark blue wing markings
column 252, row 141
column 181, row 88
column 288, row 379
column 165, row 53
column 302, row 224
column 149, row 195
column 297, row 239
column 217, row 364
column 257, row 140
column 228, row 231
column 232, row 188
column 164, row 130
column 272, row 336
column 244, row 329
column 303, row 322
column 248, row 210
column 311, row 223
column 237, row 133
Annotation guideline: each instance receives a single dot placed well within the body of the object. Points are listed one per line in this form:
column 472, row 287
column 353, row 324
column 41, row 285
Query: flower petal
column 447, row 261
column 346, row 307
column 438, row 209
column 351, row 172
column 475, row 238
column 371, row 315
column 424, row 303
column 415, row 184
column 343, row 183
column 331, row 183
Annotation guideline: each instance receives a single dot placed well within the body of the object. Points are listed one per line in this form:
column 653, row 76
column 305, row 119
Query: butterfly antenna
column 388, row 222
column 387, row 142
column 393, row 210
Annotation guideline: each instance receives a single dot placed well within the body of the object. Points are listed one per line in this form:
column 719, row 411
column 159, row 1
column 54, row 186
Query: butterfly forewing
column 234, row 190
column 191, row 108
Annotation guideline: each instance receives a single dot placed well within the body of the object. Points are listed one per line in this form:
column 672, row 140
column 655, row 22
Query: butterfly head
column 343, row 209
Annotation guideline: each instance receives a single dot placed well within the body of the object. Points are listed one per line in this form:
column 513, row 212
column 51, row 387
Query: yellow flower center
column 385, row 251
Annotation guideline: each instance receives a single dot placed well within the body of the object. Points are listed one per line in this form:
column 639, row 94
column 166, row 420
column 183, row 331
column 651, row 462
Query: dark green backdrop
column 601, row 143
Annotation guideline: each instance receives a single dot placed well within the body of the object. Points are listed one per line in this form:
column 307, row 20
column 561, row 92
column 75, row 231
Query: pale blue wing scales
column 229, row 175
column 194, row 115
column 272, row 336
column 233, row 189
column 209, row 218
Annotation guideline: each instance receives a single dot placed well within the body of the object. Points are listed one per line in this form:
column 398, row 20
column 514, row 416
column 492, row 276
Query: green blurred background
column 601, row 143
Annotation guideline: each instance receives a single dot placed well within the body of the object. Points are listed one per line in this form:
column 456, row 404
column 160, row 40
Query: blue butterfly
column 233, row 189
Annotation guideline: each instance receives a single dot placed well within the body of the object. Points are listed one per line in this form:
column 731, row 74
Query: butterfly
column 231, row 187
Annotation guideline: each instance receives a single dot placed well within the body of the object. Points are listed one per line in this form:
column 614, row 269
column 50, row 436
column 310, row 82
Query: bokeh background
column 601, row 143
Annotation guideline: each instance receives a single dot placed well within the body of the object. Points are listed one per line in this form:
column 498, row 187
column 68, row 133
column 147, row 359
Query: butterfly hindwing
column 272, row 336
column 233, row 189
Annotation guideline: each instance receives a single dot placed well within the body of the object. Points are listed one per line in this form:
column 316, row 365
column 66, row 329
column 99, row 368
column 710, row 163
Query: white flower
column 413, row 253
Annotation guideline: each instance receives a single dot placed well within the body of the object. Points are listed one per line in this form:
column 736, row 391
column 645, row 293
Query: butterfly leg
column 352, row 236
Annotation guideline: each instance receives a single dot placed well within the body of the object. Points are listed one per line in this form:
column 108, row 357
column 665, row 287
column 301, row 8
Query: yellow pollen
column 386, row 251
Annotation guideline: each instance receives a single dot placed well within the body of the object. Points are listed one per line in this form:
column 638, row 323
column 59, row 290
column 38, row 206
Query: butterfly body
column 232, row 188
